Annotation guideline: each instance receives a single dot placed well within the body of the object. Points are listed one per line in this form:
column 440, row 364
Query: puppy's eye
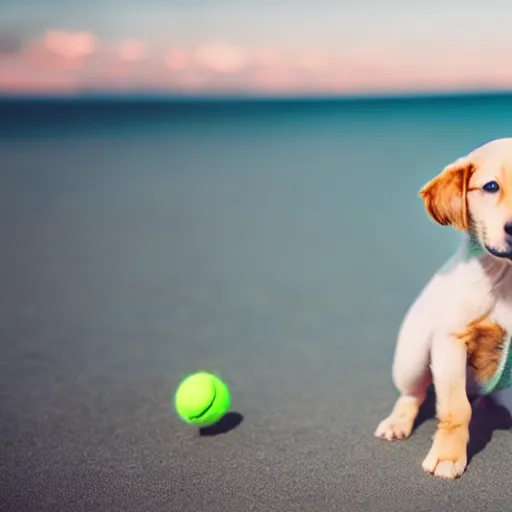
column 491, row 186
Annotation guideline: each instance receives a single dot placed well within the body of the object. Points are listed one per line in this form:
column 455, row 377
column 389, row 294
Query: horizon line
column 212, row 97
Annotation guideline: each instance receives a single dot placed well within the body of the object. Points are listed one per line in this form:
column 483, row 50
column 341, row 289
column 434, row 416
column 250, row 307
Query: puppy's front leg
column 448, row 455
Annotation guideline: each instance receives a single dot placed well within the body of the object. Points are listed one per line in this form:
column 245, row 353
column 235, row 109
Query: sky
column 243, row 47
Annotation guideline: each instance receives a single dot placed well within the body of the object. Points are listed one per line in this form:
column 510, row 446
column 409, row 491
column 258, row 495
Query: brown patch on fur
column 449, row 423
column 445, row 196
column 483, row 339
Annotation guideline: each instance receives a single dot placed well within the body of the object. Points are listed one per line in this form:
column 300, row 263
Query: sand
column 115, row 286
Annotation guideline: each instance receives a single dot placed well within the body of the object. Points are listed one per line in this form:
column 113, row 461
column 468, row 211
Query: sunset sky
column 297, row 47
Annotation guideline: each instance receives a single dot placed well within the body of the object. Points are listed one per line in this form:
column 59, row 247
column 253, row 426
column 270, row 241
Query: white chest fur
column 472, row 285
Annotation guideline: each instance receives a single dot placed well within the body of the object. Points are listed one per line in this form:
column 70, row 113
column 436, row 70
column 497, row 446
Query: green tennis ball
column 202, row 399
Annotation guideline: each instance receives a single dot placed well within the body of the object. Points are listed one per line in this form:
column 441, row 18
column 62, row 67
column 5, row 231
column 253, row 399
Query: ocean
column 274, row 242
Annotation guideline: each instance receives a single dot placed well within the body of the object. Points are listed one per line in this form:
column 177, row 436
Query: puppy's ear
column 445, row 195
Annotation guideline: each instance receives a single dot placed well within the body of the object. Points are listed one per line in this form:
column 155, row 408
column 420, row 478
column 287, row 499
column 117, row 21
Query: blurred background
column 242, row 47
column 228, row 186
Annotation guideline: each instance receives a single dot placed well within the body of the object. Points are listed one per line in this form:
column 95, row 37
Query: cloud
column 58, row 52
column 71, row 45
column 221, row 58
column 48, row 63
column 66, row 61
column 132, row 51
column 177, row 60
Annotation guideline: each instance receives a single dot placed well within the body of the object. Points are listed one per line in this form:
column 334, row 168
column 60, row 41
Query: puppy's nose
column 508, row 228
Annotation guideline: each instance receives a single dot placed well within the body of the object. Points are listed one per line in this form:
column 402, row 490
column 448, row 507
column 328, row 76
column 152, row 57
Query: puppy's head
column 474, row 194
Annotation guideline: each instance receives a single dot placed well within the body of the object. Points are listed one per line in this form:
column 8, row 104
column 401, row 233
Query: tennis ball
column 202, row 399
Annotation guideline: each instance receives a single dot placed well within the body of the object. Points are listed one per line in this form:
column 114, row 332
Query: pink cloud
column 51, row 63
column 268, row 57
column 66, row 61
column 132, row 51
column 221, row 58
column 72, row 45
column 178, row 60
column 56, row 51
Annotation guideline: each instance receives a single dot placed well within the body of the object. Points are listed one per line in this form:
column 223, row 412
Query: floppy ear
column 445, row 195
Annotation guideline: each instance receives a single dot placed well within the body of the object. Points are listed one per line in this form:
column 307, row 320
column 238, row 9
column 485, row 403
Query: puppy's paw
column 394, row 427
column 448, row 456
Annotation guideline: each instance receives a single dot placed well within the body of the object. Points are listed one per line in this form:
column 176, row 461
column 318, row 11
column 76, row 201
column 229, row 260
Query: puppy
column 458, row 329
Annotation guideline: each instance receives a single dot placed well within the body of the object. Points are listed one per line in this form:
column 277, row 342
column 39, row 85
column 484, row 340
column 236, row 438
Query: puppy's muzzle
column 508, row 234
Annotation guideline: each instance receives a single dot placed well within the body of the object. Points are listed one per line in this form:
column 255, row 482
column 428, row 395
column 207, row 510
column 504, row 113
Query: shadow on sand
column 487, row 417
column 228, row 422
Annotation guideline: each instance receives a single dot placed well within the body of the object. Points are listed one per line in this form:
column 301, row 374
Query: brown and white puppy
column 463, row 316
